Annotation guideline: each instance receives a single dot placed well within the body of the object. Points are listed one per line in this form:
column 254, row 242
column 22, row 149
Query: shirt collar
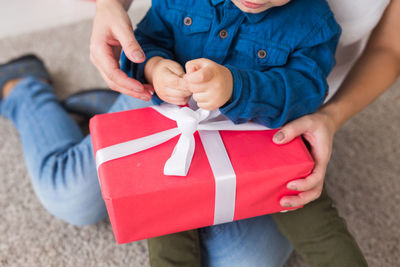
column 216, row 2
column 253, row 18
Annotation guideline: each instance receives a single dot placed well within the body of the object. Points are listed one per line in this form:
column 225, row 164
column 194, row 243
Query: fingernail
column 279, row 137
column 284, row 211
column 285, row 204
column 138, row 55
column 292, row 186
column 148, row 88
column 138, row 89
column 144, row 98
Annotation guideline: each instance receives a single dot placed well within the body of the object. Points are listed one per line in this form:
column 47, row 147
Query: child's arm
column 276, row 95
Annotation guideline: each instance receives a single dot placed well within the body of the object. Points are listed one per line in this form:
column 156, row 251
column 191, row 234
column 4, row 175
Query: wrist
column 333, row 116
column 149, row 68
column 228, row 99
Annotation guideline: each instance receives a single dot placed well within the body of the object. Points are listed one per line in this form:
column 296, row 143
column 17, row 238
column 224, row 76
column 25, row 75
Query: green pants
column 317, row 233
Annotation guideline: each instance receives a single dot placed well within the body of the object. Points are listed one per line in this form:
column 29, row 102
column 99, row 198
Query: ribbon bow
column 188, row 121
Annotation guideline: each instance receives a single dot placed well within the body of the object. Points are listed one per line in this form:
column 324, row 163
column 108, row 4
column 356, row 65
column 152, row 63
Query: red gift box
column 142, row 202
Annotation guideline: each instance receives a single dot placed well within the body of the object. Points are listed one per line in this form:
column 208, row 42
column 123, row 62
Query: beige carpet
column 363, row 175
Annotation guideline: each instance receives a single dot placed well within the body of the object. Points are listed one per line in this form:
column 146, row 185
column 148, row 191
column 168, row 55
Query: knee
column 79, row 206
column 70, row 192
column 80, row 209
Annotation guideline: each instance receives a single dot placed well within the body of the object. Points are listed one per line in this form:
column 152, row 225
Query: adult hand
column 112, row 31
column 318, row 129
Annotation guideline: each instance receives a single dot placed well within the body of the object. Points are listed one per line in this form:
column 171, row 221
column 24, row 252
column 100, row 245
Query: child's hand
column 166, row 77
column 210, row 83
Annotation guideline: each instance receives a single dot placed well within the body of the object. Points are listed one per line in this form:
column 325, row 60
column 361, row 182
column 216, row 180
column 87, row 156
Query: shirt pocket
column 198, row 24
column 261, row 55
column 188, row 22
column 191, row 31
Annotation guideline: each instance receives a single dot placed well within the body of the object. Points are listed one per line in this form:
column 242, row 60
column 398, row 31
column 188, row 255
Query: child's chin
column 250, row 10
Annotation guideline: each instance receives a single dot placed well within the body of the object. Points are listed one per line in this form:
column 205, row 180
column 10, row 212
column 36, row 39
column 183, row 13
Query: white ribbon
column 189, row 121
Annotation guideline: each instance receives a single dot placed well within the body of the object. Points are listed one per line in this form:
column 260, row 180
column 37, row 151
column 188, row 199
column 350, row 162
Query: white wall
column 24, row 16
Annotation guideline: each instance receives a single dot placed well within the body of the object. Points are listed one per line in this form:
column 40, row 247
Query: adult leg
column 59, row 159
column 320, row 235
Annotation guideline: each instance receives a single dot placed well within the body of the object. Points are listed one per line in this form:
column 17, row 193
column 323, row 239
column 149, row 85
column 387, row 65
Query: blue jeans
column 61, row 164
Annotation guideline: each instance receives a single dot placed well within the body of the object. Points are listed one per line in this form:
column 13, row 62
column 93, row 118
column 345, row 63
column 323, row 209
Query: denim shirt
column 279, row 58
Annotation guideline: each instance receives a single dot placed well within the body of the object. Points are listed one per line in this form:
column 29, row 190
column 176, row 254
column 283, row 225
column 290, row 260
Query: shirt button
column 223, row 34
column 261, row 53
column 187, row 21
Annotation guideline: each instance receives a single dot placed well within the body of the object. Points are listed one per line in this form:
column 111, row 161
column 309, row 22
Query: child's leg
column 175, row 250
column 320, row 235
column 250, row 242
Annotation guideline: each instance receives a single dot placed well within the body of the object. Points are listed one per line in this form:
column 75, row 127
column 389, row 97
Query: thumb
column 197, row 71
column 195, row 64
column 176, row 68
column 131, row 47
column 290, row 131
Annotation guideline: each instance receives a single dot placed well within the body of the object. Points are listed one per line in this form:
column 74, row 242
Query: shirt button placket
column 222, row 35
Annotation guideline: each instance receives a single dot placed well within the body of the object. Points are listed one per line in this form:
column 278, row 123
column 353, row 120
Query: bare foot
column 8, row 86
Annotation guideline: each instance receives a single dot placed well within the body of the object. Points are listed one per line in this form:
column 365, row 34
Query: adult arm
column 112, row 31
column 375, row 71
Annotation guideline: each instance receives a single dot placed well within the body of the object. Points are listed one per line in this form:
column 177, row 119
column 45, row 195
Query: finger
column 145, row 95
column 104, row 60
column 292, row 209
column 177, row 93
column 321, row 153
column 176, row 68
column 148, row 88
column 176, row 82
column 120, row 78
column 197, row 88
column 321, row 149
column 291, row 130
column 176, row 101
column 316, row 178
column 196, row 64
column 201, row 98
column 201, row 75
column 191, row 66
column 174, row 75
column 301, row 199
column 129, row 44
column 207, row 106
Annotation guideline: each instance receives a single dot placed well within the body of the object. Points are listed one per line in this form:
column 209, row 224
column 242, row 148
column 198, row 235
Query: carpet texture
column 363, row 175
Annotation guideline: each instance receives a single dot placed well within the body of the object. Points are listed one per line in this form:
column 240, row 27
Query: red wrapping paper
column 143, row 203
